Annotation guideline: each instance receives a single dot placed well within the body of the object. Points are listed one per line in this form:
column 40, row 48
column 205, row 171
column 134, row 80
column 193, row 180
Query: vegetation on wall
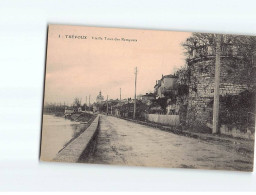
column 238, row 110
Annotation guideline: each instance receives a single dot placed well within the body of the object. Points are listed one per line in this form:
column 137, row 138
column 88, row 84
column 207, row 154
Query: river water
column 57, row 131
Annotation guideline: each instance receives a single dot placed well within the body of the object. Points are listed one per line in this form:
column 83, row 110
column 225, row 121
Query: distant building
column 68, row 111
column 100, row 98
column 167, row 84
column 139, row 97
column 147, row 98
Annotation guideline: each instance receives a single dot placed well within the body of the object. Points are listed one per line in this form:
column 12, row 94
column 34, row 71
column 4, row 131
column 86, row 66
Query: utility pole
column 86, row 100
column 107, row 104
column 215, row 126
column 89, row 100
column 120, row 94
column 134, row 110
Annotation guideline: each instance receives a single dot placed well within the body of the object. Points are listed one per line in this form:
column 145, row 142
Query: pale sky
column 82, row 67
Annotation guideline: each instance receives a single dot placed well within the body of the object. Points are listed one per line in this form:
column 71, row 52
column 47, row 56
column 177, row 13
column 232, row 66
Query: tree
column 77, row 102
column 236, row 45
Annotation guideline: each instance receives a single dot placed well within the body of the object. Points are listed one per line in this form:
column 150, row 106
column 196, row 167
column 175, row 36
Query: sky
column 82, row 61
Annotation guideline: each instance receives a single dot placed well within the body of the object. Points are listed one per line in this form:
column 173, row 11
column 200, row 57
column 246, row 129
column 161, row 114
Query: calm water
column 57, row 132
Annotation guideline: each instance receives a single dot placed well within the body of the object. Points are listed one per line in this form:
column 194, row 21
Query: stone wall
column 234, row 132
column 234, row 80
column 172, row 120
column 79, row 146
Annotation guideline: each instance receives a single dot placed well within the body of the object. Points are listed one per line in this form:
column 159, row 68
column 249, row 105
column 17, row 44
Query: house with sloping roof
column 167, row 84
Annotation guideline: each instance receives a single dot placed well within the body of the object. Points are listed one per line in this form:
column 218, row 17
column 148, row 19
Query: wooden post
column 134, row 109
column 107, row 104
column 215, row 127
column 120, row 94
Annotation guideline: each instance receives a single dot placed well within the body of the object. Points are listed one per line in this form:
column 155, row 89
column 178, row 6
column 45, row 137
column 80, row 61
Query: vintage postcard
column 149, row 98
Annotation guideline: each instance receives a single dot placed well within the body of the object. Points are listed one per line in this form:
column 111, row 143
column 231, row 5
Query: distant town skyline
column 83, row 61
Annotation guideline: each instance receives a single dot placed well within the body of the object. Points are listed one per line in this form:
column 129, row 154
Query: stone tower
column 201, row 66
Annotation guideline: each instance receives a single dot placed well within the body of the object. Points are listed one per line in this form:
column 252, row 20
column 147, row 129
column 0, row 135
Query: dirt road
column 126, row 143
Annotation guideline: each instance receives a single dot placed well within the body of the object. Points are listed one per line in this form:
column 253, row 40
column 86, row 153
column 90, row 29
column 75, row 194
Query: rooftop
column 165, row 76
column 169, row 76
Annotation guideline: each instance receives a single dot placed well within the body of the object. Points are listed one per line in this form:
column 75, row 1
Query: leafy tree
column 77, row 102
column 245, row 45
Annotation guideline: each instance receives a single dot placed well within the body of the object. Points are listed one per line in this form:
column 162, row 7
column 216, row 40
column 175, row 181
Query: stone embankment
column 79, row 146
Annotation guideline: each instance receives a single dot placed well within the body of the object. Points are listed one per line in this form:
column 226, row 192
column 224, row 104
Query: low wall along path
column 172, row 120
column 73, row 151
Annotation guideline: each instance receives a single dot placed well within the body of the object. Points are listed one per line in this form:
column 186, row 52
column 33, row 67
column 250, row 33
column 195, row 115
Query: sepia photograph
column 149, row 98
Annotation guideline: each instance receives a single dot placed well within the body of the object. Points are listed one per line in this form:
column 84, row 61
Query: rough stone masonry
column 234, row 80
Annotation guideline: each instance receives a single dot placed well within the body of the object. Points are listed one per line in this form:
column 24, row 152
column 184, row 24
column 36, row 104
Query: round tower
column 234, row 79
